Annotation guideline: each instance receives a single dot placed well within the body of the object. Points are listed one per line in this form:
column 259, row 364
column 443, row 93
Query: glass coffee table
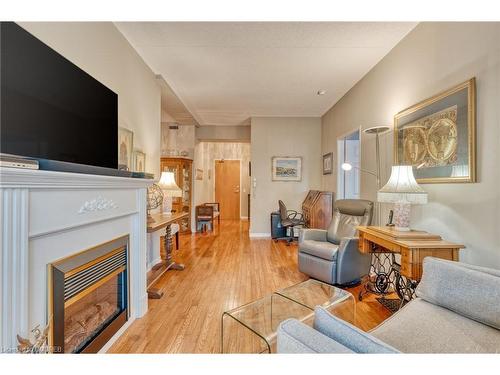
column 251, row 328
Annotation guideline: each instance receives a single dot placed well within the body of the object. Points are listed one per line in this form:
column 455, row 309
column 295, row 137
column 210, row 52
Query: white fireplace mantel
column 47, row 216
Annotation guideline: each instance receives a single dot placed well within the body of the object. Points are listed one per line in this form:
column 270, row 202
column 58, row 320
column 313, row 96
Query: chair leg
column 177, row 241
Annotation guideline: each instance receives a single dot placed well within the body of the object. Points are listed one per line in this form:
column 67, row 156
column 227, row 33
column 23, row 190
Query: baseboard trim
column 259, row 235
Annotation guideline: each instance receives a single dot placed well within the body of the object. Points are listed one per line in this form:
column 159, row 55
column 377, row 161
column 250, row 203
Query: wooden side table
column 160, row 222
column 413, row 246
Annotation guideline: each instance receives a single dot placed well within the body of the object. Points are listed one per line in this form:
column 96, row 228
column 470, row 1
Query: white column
column 138, row 258
column 14, row 266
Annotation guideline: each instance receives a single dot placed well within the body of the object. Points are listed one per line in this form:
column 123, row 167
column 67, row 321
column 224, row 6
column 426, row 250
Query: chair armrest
column 312, row 234
column 292, row 214
column 297, row 337
column 351, row 263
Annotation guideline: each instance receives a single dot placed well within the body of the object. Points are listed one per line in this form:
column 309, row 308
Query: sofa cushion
column 347, row 334
column 297, row 337
column 471, row 291
column 421, row 327
column 321, row 249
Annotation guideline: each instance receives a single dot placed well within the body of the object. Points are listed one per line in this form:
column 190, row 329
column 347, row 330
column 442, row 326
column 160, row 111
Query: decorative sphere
column 155, row 197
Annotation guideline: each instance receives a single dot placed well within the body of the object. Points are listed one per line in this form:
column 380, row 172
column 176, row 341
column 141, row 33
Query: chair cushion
column 473, row 292
column 343, row 226
column 348, row 335
column 203, row 217
column 421, row 327
column 321, row 249
column 347, row 215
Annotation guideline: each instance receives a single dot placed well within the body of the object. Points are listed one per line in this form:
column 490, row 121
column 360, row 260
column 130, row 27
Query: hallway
column 224, row 270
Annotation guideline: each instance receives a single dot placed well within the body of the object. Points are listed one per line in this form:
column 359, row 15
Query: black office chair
column 289, row 219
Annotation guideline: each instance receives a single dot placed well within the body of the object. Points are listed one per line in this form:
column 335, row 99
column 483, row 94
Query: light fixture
column 346, row 166
column 321, row 92
column 403, row 190
column 377, row 130
column 170, row 189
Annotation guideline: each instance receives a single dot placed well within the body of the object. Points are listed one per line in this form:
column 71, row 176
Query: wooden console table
column 159, row 222
column 413, row 246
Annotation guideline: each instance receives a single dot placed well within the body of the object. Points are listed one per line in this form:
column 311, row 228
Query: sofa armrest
column 348, row 335
column 297, row 337
column 469, row 291
column 312, row 234
column 351, row 263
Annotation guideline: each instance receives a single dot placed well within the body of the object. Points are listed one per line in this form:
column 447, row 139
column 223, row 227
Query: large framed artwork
column 328, row 163
column 438, row 136
column 286, row 168
column 125, row 144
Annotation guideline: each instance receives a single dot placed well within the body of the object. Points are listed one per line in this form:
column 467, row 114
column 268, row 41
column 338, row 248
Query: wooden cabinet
column 183, row 172
column 317, row 209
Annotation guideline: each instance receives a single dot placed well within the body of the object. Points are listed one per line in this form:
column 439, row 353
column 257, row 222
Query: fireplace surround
column 50, row 216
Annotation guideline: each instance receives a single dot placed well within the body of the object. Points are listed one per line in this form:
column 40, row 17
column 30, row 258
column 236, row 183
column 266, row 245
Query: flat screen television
column 51, row 110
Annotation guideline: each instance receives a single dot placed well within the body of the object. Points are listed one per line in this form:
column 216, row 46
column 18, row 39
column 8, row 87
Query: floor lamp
column 377, row 130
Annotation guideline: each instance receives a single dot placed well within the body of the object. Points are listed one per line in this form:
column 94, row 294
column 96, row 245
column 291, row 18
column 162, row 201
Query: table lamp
column 403, row 190
column 170, row 190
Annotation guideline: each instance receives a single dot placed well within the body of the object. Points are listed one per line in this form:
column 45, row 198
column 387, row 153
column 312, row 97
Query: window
column 348, row 152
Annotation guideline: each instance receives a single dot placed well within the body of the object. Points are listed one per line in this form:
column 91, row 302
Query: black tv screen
column 50, row 108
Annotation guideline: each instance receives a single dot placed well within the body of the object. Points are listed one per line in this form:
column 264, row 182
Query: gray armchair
column 332, row 255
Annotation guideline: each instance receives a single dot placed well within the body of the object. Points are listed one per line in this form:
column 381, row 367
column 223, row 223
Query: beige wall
column 432, row 58
column 102, row 51
column 205, row 155
column 223, row 133
column 282, row 136
column 176, row 141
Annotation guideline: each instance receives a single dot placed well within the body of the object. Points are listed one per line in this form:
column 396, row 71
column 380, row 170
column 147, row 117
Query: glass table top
column 263, row 316
column 312, row 293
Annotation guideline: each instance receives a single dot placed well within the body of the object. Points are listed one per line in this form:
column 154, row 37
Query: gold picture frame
column 437, row 136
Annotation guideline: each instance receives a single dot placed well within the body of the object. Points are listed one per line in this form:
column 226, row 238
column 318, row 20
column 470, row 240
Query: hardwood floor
column 224, row 270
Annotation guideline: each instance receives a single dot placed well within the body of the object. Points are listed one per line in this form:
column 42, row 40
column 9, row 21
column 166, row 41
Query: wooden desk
column 161, row 222
column 413, row 246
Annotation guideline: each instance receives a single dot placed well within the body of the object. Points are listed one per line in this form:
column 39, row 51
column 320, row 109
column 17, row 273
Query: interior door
column 227, row 188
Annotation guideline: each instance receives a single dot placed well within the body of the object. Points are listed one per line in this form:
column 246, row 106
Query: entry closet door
column 227, row 188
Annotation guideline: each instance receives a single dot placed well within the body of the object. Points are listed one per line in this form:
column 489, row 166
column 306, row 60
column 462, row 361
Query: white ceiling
column 225, row 73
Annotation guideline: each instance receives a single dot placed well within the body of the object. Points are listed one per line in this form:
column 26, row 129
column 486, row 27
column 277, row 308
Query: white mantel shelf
column 29, row 178
column 49, row 215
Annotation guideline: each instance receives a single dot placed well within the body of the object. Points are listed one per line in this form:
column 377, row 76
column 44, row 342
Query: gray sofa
column 332, row 255
column 457, row 310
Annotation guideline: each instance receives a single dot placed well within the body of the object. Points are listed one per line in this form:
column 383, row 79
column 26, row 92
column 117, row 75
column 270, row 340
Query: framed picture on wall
column 286, row 168
column 125, row 145
column 438, row 136
column 139, row 161
column 199, row 174
column 328, row 163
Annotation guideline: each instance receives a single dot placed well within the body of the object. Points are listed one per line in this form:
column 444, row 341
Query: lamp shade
column 168, row 185
column 402, row 187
